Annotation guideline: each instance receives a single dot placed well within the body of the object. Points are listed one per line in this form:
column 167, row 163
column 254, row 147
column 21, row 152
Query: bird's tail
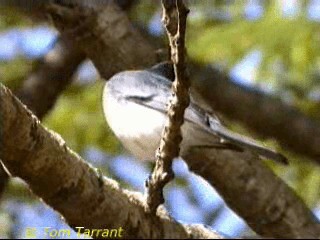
column 245, row 142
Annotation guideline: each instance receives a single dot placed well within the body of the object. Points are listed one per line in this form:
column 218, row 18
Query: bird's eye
column 139, row 98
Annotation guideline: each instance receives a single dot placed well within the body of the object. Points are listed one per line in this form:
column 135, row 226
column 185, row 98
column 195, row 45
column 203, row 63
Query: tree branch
column 4, row 177
column 42, row 88
column 72, row 187
column 104, row 28
column 255, row 193
column 173, row 17
column 267, row 116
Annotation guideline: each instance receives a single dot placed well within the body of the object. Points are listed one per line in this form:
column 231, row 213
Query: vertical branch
column 174, row 19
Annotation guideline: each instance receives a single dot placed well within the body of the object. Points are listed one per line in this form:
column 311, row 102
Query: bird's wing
column 245, row 142
column 211, row 124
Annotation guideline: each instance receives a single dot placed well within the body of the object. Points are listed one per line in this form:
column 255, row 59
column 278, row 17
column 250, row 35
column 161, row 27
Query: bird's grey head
column 151, row 82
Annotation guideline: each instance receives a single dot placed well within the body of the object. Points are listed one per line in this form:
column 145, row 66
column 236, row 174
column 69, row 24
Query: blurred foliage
column 289, row 46
column 78, row 117
column 143, row 11
column 5, row 225
column 17, row 189
column 301, row 174
column 13, row 72
column 11, row 18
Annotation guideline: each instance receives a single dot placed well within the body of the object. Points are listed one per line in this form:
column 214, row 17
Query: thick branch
column 253, row 191
column 265, row 115
column 3, row 175
column 73, row 188
column 36, row 8
column 42, row 88
column 103, row 32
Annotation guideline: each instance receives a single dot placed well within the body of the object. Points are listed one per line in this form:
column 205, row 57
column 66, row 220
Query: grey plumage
column 135, row 104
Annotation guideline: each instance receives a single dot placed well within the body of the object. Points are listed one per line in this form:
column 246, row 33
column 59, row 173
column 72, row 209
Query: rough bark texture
column 42, row 88
column 73, row 188
column 3, row 177
column 253, row 191
column 108, row 31
column 174, row 16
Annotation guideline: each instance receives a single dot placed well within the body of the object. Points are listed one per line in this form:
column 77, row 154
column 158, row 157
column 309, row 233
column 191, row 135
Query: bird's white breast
column 138, row 128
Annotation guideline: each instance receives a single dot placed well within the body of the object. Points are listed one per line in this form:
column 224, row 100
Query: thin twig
column 174, row 20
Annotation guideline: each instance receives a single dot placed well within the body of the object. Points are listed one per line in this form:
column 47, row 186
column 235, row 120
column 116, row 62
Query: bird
column 135, row 104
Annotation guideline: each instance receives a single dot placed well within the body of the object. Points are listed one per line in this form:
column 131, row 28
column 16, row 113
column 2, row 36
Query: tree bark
column 267, row 116
column 255, row 193
column 42, row 88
